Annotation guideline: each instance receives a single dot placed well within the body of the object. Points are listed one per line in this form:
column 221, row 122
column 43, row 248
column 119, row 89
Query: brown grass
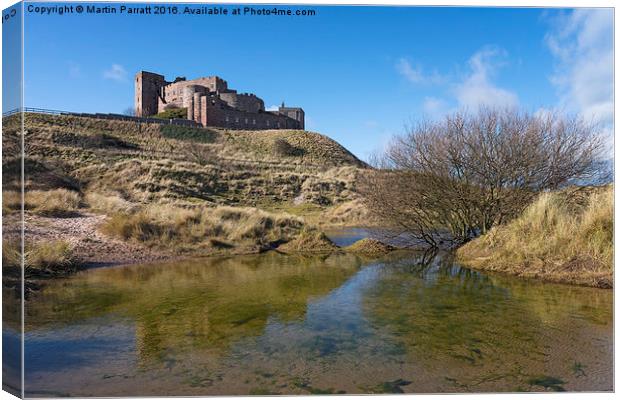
column 49, row 203
column 191, row 229
column 108, row 203
column 40, row 258
column 370, row 247
column 562, row 237
column 309, row 240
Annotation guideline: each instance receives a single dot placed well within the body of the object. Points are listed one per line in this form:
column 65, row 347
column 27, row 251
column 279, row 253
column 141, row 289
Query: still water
column 336, row 323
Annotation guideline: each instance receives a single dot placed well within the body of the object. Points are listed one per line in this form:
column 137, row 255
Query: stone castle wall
column 210, row 102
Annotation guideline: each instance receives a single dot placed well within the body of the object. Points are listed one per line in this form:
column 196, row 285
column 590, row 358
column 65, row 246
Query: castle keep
column 210, row 102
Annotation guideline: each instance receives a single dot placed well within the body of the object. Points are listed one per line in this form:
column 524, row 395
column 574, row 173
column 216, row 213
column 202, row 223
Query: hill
column 147, row 161
column 153, row 184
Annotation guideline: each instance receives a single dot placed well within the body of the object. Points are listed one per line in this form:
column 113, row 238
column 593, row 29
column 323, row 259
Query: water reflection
column 289, row 324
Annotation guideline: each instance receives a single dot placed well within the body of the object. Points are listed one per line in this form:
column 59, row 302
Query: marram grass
column 562, row 237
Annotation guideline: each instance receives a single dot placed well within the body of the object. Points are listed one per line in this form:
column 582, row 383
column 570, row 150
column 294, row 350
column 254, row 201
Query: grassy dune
column 204, row 228
column 563, row 237
column 166, row 190
column 274, row 170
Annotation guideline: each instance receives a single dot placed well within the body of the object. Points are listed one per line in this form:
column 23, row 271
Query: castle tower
column 296, row 113
column 148, row 88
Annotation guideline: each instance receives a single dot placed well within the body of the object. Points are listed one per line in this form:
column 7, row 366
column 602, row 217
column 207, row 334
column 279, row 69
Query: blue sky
column 360, row 73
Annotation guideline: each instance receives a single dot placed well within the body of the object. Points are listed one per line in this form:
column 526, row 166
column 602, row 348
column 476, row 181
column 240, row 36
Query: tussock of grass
column 52, row 203
column 309, row 240
column 370, row 247
column 178, row 228
column 49, row 203
column 351, row 213
column 562, row 237
column 41, row 258
column 108, row 203
column 11, row 201
column 11, row 255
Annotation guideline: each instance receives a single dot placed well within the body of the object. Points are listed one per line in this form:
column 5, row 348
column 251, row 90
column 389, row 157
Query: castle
column 210, row 102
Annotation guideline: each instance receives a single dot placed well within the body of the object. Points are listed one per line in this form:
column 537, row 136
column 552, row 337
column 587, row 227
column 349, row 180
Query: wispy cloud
column 272, row 108
column 415, row 74
column 435, row 107
column 116, row 73
column 477, row 88
column 471, row 90
column 582, row 43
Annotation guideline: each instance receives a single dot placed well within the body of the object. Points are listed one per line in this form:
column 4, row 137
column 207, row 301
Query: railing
column 116, row 117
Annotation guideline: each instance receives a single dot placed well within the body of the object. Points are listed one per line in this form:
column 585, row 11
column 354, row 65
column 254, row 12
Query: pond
column 289, row 324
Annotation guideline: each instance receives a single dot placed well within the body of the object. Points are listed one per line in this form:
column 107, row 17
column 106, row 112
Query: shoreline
column 93, row 249
column 603, row 282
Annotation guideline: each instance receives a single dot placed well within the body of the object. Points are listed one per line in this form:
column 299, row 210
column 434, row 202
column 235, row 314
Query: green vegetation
column 172, row 113
column 562, row 237
column 389, row 387
column 548, row 382
column 186, row 133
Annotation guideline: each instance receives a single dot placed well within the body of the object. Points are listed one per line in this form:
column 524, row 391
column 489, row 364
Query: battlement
column 210, row 102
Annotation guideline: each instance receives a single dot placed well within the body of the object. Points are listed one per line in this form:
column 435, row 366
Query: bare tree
column 467, row 173
column 130, row 111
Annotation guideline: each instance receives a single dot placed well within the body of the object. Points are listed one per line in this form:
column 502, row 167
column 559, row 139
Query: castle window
column 267, row 122
column 227, row 118
column 246, row 121
column 237, row 119
column 253, row 122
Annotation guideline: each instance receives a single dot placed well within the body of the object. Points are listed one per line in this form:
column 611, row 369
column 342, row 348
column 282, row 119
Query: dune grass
column 108, row 203
column 562, row 237
column 48, row 203
column 308, row 240
column 183, row 229
column 51, row 258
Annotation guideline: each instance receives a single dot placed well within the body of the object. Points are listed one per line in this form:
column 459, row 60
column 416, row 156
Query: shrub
column 467, row 173
column 172, row 113
column 283, row 148
column 188, row 133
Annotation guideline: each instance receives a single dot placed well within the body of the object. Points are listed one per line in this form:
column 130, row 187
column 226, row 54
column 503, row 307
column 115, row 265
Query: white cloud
column 473, row 90
column 272, row 108
column 414, row 74
column 478, row 89
column 434, row 107
column 116, row 73
column 582, row 44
